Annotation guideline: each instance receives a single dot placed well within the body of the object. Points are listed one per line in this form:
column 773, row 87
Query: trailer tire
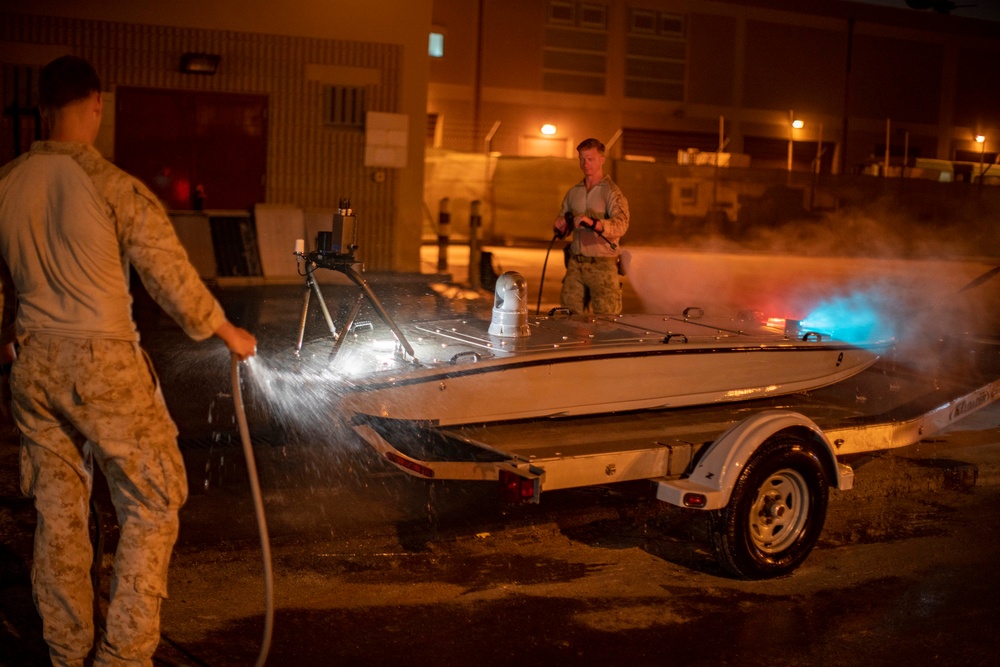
column 776, row 512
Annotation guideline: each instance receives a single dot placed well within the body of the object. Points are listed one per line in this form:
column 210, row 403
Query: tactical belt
column 590, row 260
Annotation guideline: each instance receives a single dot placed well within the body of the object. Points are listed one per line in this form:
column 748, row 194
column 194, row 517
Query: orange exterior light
column 548, row 129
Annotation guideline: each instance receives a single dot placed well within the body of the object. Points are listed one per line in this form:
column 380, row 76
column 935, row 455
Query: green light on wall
column 435, row 45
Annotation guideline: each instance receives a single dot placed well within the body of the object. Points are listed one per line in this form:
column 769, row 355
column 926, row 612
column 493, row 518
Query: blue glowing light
column 856, row 318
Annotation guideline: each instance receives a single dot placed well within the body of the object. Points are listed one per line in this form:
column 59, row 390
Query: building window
column 655, row 55
column 562, row 13
column 594, row 17
column 435, row 46
column 576, row 46
column 344, row 107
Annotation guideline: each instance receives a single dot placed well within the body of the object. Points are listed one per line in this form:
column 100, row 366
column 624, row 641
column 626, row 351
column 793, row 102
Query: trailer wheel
column 776, row 511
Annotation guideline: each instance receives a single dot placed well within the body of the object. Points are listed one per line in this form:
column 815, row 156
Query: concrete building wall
column 794, row 67
column 835, row 63
column 712, row 59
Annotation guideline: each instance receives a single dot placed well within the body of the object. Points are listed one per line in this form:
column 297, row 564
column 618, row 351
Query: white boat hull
column 580, row 366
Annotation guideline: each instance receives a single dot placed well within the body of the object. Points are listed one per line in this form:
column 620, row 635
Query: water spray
column 863, row 313
column 852, row 319
column 258, row 505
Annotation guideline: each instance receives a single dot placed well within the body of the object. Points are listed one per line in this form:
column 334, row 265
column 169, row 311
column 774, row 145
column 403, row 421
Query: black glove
column 568, row 217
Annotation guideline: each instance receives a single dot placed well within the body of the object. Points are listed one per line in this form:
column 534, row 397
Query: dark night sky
column 988, row 10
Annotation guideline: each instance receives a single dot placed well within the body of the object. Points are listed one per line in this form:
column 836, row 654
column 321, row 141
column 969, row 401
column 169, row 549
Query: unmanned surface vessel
column 473, row 371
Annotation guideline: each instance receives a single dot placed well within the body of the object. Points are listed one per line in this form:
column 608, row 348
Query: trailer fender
column 710, row 484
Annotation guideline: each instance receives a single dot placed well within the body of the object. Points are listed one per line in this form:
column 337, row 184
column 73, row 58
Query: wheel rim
column 780, row 511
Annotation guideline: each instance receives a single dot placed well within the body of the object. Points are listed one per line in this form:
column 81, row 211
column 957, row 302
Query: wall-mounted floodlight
column 798, row 124
column 980, row 139
column 548, row 129
column 200, row 63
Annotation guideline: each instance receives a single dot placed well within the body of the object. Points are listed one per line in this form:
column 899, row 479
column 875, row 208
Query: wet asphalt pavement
column 375, row 568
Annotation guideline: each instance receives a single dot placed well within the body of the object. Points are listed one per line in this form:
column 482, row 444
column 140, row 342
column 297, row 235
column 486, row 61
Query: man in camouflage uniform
column 83, row 390
column 597, row 207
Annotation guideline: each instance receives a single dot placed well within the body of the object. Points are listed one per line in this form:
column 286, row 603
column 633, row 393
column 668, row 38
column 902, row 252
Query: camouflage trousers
column 76, row 402
column 592, row 282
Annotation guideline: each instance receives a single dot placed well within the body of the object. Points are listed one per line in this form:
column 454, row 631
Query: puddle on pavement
column 894, row 520
column 473, row 572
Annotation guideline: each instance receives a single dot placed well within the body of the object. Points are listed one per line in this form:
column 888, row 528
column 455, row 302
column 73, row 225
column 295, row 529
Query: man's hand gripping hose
column 258, row 503
column 569, row 222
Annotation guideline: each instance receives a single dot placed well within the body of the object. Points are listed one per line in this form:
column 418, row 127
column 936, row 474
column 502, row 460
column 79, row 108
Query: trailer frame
column 700, row 457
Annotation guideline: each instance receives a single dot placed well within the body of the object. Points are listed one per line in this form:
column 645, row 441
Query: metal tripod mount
column 343, row 263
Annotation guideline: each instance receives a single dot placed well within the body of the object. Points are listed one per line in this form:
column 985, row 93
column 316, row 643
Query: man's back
column 62, row 249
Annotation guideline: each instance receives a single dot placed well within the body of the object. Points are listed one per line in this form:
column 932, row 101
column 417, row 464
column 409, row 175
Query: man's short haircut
column 66, row 80
column 590, row 143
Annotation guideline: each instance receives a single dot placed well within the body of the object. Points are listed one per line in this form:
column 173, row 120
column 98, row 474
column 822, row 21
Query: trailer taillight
column 694, row 500
column 515, row 488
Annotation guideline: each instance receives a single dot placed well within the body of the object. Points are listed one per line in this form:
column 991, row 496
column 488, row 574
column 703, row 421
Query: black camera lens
column 324, row 241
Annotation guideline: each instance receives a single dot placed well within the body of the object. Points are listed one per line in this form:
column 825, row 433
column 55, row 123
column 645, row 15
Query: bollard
column 444, row 224
column 475, row 222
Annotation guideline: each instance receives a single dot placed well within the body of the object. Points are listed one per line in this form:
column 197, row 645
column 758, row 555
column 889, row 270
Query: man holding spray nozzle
column 596, row 212
column 83, row 391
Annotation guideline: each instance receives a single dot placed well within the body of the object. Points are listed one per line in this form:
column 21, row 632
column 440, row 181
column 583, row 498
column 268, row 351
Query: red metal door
column 194, row 149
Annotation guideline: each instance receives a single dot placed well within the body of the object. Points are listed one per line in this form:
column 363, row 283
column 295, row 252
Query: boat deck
column 438, row 341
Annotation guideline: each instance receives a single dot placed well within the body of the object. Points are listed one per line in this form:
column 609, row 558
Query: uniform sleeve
column 150, row 244
column 616, row 224
column 564, row 208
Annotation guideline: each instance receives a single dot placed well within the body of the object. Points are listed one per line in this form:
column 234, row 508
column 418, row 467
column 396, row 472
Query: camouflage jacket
column 604, row 202
column 70, row 224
